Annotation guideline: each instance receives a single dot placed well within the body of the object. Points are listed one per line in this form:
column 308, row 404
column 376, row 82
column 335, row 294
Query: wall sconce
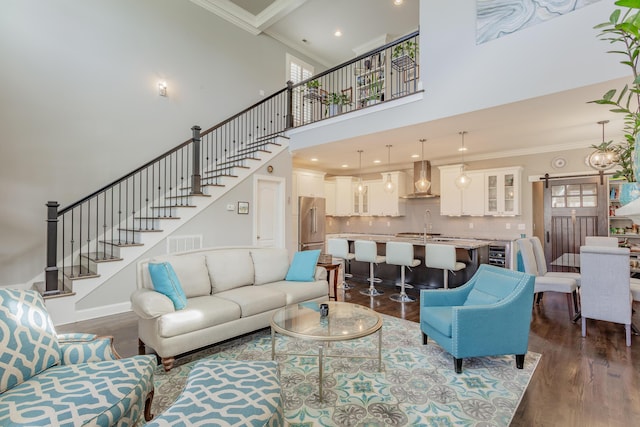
column 162, row 88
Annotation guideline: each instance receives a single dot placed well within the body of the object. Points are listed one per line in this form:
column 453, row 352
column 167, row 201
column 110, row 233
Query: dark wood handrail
column 163, row 155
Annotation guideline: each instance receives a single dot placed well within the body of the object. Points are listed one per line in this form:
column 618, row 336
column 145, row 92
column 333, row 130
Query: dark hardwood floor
column 592, row 381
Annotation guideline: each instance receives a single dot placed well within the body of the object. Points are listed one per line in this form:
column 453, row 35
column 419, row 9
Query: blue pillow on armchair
column 166, row 282
column 303, row 266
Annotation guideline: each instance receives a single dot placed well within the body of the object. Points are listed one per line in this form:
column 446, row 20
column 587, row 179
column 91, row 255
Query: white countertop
column 463, row 243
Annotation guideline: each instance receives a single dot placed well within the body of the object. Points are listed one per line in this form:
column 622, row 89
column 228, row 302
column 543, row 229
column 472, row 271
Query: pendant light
column 422, row 184
column 603, row 158
column 362, row 189
column 462, row 180
column 388, row 183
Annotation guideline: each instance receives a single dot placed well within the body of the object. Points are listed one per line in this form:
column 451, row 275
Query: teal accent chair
column 489, row 315
column 69, row 379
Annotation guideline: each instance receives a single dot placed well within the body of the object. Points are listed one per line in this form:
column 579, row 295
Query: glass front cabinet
column 502, row 188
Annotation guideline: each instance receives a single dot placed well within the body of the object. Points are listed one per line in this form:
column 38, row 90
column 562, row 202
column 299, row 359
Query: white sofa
column 230, row 291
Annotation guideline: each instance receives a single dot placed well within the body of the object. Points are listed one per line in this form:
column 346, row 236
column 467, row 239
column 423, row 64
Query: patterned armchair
column 69, row 379
column 489, row 315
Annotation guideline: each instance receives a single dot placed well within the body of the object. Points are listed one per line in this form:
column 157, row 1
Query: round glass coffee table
column 344, row 322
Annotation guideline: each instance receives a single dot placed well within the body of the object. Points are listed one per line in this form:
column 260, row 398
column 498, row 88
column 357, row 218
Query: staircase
column 92, row 269
column 92, row 240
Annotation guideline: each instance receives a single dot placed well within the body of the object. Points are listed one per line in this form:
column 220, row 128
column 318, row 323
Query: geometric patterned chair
column 68, row 379
column 227, row 393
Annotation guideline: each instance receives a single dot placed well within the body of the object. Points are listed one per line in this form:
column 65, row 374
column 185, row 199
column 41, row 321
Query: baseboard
column 107, row 310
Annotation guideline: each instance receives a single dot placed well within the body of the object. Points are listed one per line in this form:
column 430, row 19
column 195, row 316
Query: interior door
column 269, row 202
column 573, row 208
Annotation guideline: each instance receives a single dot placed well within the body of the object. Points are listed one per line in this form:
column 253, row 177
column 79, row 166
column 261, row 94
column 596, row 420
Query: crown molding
column 254, row 24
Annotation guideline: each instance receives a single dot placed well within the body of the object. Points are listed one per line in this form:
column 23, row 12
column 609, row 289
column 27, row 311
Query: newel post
column 289, row 119
column 195, row 177
column 51, row 270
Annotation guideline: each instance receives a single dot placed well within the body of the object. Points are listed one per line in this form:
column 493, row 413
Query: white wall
column 560, row 54
column 79, row 106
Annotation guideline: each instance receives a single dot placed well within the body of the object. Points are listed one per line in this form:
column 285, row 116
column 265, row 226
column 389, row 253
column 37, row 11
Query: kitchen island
column 472, row 252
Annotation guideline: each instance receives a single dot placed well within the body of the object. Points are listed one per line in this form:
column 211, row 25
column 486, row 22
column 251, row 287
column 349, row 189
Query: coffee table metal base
column 322, row 355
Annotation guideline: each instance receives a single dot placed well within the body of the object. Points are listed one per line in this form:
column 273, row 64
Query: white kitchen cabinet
column 339, row 195
column 309, row 183
column 360, row 202
column 389, row 204
column 330, row 197
column 450, row 195
column 305, row 183
column 473, row 195
column 502, row 191
column 457, row 202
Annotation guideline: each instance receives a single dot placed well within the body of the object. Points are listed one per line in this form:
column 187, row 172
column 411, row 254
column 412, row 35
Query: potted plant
column 312, row 87
column 335, row 101
column 404, row 54
column 623, row 30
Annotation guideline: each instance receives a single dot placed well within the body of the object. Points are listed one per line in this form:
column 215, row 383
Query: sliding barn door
column 573, row 208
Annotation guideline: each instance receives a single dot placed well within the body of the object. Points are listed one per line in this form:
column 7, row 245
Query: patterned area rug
column 417, row 386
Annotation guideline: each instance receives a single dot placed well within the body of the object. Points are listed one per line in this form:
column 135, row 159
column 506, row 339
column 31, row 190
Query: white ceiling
column 551, row 123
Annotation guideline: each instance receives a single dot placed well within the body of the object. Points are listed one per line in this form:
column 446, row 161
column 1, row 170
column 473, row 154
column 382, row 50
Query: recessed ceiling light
column 397, row 2
column 344, row 166
column 414, row 156
column 376, row 161
column 314, row 159
column 338, row 33
column 462, row 149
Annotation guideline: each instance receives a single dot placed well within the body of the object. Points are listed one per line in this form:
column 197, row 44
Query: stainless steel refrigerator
column 311, row 218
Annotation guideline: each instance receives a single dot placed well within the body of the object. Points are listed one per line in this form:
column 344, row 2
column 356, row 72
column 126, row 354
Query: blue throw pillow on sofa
column 303, row 266
column 166, row 282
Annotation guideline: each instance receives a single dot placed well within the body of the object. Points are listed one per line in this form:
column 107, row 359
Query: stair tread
column 218, row 176
column 226, row 168
column 142, row 230
column 188, row 195
column 142, row 218
column 172, row 206
column 120, row 243
column 79, row 272
column 99, row 257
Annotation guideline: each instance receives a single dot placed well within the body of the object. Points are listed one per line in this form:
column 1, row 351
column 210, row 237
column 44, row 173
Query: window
column 298, row 71
column 574, row 196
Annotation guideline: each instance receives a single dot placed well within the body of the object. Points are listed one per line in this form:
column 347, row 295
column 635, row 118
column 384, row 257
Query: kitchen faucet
column 427, row 224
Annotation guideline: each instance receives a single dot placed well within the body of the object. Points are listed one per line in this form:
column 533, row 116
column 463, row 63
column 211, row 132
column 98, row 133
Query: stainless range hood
column 417, row 168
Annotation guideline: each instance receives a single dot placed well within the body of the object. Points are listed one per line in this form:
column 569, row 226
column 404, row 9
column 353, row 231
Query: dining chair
column 611, row 242
column 605, row 292
column 545, row 282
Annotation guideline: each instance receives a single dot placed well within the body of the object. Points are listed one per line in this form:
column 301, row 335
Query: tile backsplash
column 417, row 218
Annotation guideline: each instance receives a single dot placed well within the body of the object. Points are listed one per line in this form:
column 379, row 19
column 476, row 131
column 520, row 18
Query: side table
column 331, row 267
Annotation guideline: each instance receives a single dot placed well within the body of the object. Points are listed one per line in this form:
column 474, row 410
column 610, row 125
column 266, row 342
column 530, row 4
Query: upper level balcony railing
column 381, row 75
